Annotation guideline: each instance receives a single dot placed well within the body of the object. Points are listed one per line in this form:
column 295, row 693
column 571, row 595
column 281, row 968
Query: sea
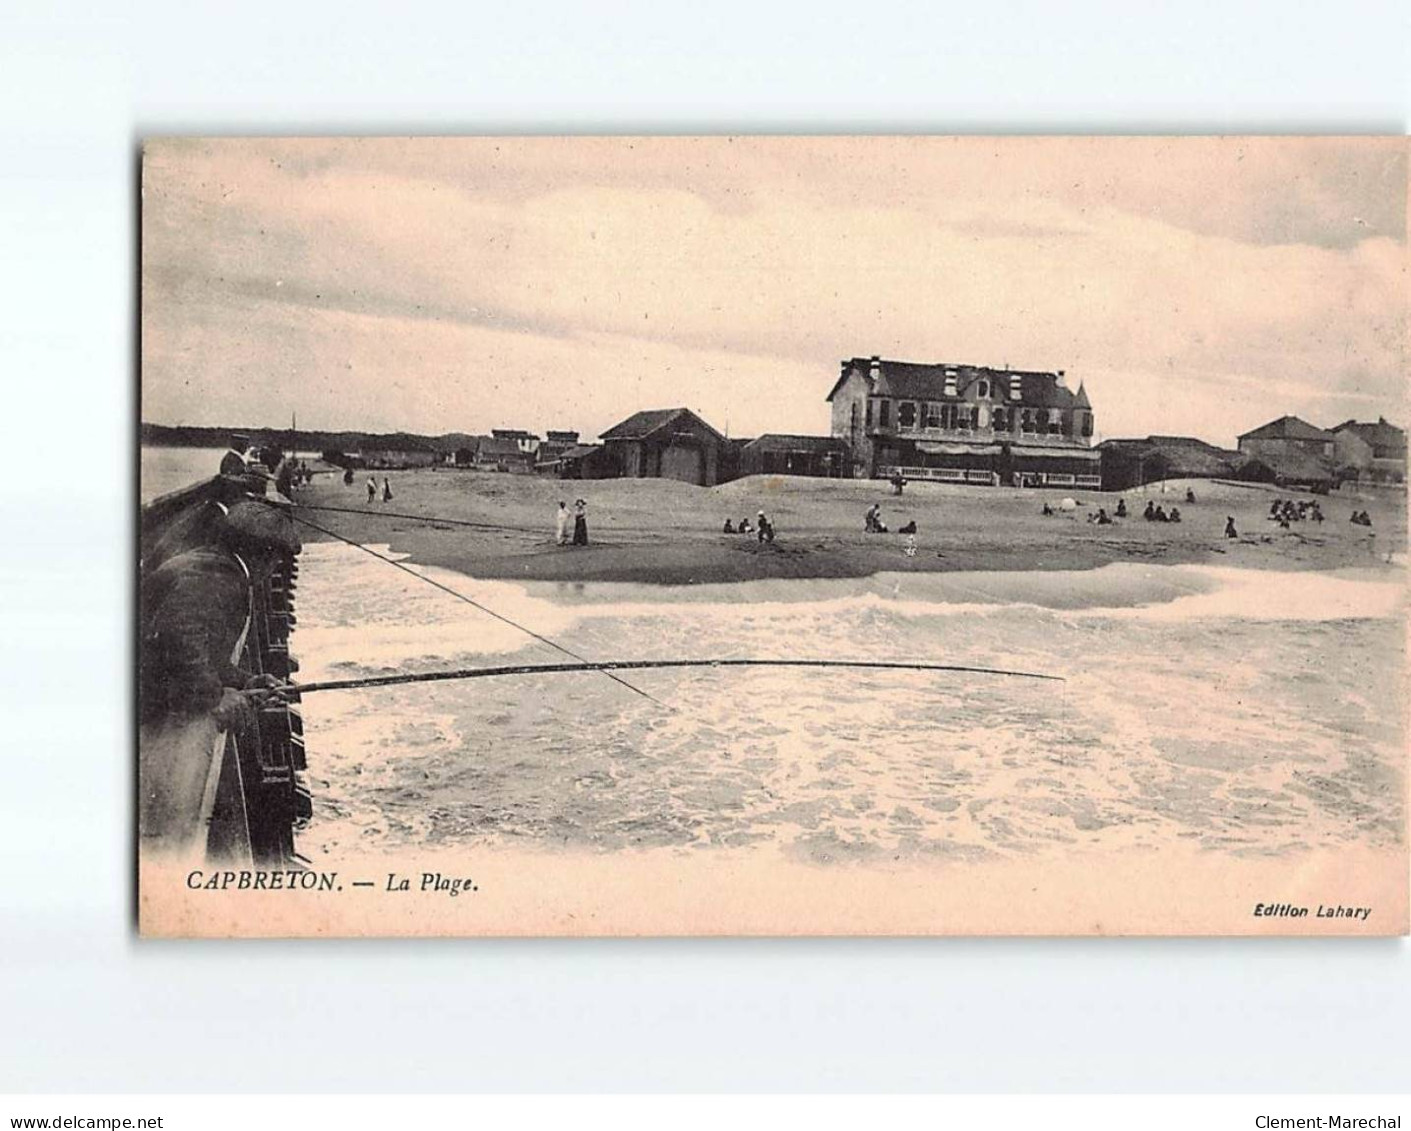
column 1251, row 713
column 166, row 469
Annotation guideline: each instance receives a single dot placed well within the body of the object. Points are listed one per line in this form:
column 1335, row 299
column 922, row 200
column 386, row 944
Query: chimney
column 875, row 369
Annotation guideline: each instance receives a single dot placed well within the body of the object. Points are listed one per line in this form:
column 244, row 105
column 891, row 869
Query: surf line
column 588, row 665
column 434, row 520
column 609, row 666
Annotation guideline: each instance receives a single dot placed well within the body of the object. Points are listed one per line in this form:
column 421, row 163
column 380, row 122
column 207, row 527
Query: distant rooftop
column 1287, row 428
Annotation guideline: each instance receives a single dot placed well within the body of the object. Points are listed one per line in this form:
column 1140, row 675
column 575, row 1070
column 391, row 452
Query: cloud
column 441, row 284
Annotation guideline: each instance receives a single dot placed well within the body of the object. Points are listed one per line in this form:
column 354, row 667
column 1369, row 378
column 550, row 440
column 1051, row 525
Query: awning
column 1057, row 453
column 931, row 448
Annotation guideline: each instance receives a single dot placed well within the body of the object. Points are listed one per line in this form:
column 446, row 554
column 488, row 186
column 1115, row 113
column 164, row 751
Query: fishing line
column 380, row 513
column 476, row 604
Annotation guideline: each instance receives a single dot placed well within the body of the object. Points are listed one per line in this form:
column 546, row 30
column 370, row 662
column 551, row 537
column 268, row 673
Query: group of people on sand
column 872, row 522
column 1288, row 511
column 579, row 519
column 1359, row 518
column 1156, row 513
column 372, row 486
column 763, row 528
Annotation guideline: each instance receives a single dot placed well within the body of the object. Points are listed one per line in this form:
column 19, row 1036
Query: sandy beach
column 665, row 532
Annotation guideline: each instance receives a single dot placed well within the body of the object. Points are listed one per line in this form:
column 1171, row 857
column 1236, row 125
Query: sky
column 1194, row 286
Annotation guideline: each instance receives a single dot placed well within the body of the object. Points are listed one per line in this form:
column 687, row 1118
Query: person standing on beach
column 371, row 489
column 386, row 490
column 561, row 524
column 580, row 523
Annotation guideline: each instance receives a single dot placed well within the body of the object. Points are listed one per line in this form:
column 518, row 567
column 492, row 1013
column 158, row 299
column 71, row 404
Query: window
column 999, row 421
column 884, row 411
column 869, row 413
column 983, row 392
column 906, row 415
column 852, row 419
column 1087, row 424
column 931, row 412
column 1026, row 421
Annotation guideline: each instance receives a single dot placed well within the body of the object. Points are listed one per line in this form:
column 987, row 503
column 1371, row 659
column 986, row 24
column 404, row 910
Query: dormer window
column 983, row 390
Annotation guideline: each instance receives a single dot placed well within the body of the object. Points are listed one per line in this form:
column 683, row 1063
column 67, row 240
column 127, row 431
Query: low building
column 665, row 443
column 551, row 448
column 1128, row 463
column 964, row 423
column 391, row 459
column 507, row 449
column 1286, row 436
column 1369, row 453
column 1290, row 468
column 777, row 453
column 583, row 461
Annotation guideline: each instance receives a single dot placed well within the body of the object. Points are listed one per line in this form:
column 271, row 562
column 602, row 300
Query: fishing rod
column 588, row 664
column 609, row 666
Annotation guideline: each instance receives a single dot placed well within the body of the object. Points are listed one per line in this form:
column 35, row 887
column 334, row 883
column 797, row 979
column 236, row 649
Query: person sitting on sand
column 1274, row 508
column 766, row 528
column 1230, row 531
column 1103, row 518
column 745, row 527
column 909, row 528
column 1121, row 508
column 1190, row 496
column 347, row 477
column 1047, row 509
column 561, row 524
column 729, row 527
column 1175, row 515
column 580, row 522
column 1150, row 513
column 873, row 523
column 1159, row 515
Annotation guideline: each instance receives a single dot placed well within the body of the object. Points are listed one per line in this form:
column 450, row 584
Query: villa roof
column 913, row 380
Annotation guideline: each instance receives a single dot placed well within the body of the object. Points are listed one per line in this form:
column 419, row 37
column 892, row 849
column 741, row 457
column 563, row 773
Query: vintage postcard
column 767, row 535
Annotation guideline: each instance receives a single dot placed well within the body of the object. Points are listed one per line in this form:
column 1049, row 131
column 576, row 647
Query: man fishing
column 195, row 609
